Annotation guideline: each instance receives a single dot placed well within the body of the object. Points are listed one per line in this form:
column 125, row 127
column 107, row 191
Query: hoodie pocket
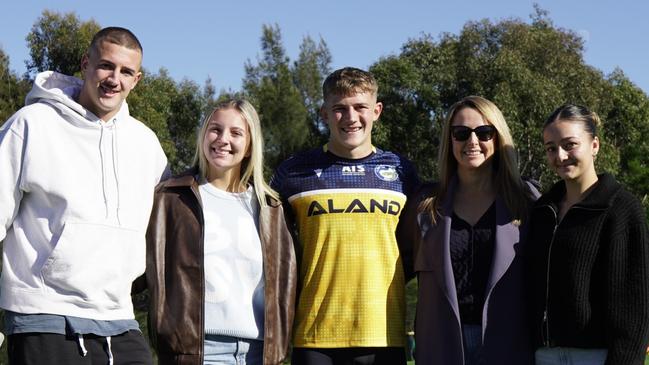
column 95, row 262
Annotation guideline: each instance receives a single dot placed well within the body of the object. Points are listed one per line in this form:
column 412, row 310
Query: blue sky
column 196, row 39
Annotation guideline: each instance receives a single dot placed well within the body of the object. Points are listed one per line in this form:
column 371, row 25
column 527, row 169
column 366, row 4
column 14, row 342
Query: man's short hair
column 116, row 35
column 347, row 81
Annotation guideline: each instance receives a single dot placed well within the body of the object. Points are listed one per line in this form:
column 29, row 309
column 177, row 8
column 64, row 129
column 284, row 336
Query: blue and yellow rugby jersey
column 352, row 285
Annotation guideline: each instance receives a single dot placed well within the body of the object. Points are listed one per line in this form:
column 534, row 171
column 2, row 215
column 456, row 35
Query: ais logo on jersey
column 386, row 172
column 357, row 170
column 355, row 206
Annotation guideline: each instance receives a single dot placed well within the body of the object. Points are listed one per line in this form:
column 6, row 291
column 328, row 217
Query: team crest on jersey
column 386, row 172
column 355, row 170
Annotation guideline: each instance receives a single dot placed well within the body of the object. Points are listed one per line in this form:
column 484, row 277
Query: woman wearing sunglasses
column 589, row 254
column 468, row 241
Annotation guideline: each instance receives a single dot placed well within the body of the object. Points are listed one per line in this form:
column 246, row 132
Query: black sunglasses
column 484, row 132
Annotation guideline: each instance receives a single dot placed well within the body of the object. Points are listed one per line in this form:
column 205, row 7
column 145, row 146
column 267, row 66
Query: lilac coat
column 438, row 333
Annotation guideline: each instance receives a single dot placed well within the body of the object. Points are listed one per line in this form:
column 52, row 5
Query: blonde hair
column 508, row 181
column 252, row 167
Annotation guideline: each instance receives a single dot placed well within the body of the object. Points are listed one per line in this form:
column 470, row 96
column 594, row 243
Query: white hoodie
column 75, row 200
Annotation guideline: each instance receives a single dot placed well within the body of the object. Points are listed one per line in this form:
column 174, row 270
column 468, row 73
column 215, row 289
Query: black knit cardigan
column 598, row 272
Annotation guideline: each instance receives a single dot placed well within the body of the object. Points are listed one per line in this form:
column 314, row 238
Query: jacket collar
column 601, row 197
column 190, row 177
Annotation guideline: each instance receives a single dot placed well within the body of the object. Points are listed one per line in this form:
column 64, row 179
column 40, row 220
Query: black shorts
column 349, row 356
column 129, row 348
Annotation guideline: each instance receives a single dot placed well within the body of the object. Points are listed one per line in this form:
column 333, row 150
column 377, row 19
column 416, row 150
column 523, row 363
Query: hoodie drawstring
column 116, row 167
column 103, row 168
column 109, row 351
column 109, row 348
column 82, row 347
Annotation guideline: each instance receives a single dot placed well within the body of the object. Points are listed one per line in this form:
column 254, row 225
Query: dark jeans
column 472, row 342
column 128, row 348
column 349, row 356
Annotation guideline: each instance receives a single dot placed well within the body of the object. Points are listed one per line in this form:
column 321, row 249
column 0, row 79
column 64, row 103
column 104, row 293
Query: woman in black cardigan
column 590, row 255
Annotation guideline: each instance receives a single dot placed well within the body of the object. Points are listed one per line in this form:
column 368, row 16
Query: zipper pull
column 545, row 330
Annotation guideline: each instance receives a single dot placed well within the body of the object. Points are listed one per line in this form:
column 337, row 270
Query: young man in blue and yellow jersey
column 345, row 199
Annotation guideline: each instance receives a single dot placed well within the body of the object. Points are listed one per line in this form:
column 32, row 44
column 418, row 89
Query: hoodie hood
column 62, row 92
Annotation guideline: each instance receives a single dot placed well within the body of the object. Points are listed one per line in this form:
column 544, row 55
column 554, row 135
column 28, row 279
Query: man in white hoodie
column 76, row 188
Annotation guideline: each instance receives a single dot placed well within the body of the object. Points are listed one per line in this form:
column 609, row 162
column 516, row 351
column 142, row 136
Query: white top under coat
column 234, row 281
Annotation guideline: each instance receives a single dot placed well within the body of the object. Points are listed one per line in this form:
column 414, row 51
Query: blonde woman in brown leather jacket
column 220, row 261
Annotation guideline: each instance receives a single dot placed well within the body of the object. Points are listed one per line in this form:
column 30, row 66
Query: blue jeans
column 570, row 356
column 472, row 341
column 225, row 350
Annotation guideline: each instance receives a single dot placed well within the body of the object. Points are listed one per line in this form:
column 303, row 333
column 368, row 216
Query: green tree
column 412, row 101
column 209, row 95
column 57, row 42
column 12, row 89
column 627, row 123
column 527, row 69
column 186, row 108
column 173, row 111
column 309, row 72
column 151, row 102
column 270, row 86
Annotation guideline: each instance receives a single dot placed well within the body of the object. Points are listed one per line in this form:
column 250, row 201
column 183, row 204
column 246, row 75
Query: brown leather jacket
column 175, row 275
